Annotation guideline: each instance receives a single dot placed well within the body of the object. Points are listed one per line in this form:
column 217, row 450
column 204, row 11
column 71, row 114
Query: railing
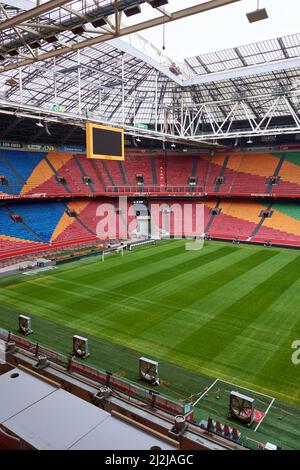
column 122, row 385
column 155, row 189
column 45, row 247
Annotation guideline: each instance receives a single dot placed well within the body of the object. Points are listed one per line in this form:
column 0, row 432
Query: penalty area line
column 267, row 411
column 255, row 392
column 206, row 391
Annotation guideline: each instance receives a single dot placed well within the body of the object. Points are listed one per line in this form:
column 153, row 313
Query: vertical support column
column 181, row 113
column 20, row 85
column 123, row 90
column 79, row 82
column 156, row 102
column 54, row 80
column 100, row 98
column 134, row 112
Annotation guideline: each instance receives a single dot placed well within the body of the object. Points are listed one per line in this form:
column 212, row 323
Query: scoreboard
column 104, row 142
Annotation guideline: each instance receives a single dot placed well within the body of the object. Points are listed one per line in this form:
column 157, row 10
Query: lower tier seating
column 28, row 225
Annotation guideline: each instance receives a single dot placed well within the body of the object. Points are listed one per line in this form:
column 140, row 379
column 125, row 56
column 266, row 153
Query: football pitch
column 212, row 318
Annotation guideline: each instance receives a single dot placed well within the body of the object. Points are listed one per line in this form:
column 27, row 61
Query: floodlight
column 257, row 15
column 98, row 22
column 80, row 347
column 78, row 30
column 25, row 325
column 51, row 39
column 158, row 3
column 131, row 11
column 35, row 45
column 13, row 52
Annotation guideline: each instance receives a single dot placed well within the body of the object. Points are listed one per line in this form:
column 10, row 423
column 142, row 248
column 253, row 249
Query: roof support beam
column 284, row 64
column 124, row 31
column 33, row 12
column 20, row 4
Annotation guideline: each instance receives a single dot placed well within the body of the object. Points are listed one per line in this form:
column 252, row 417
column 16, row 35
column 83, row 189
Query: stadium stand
column 28, row 224
column 235, row 174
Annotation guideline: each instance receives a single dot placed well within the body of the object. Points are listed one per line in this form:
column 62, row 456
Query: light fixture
column 257, row 15
column 131, row 11
column 13, row 52
column 39, row 124
column 138, row 139
column 51, row 39
column 35, row 45
column 173, row 145
column 158, row 3
column 11, row 82
column 78, row 30
column 250, row 141
column 98, row 22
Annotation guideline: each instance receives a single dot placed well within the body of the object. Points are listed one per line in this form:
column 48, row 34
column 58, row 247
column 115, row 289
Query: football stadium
column 149, row 227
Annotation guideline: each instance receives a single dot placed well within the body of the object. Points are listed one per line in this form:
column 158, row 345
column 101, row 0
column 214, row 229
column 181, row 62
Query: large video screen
column 104, row 142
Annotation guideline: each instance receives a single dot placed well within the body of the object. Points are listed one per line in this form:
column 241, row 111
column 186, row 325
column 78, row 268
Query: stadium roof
column 245, row 90
column 263, row 52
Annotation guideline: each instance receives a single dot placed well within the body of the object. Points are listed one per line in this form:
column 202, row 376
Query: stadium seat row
column 30, row 224
column 62, row 174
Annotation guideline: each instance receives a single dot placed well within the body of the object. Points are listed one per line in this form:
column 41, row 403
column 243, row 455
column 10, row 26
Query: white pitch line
column 203, row 394
column 248, row 389
column 267, row 411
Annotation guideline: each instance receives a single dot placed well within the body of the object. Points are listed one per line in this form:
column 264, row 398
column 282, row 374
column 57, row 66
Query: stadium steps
column 109, row 175
column 29, row 229
column 207, row 173
column 77, row 217
column 122, row 171
column 212, row 218
column 98, row 173
column 260, row 224
column 276, row 173
column 83, row 173
column 85, row 226
column 224, row 166
column 153, row 169
column 194, row 172
column 11, row 187
column 65, row 184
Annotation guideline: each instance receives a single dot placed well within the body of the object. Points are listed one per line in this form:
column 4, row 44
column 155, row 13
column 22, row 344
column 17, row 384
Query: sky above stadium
column 222, row 28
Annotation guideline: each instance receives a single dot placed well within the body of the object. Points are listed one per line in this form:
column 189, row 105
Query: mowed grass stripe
column 41, row 297
column 128, row 313
column 151, row 297
column 198, row 289
column 188, row 296
column 208, row 306
column 230, row 323
column 267, row 341
column 155, row 293
column 114, row 265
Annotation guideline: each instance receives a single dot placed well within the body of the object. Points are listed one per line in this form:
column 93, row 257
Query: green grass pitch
column 223, row 312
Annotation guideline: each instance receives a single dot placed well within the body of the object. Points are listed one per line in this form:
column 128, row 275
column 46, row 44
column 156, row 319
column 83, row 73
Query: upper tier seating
column 63, row 174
